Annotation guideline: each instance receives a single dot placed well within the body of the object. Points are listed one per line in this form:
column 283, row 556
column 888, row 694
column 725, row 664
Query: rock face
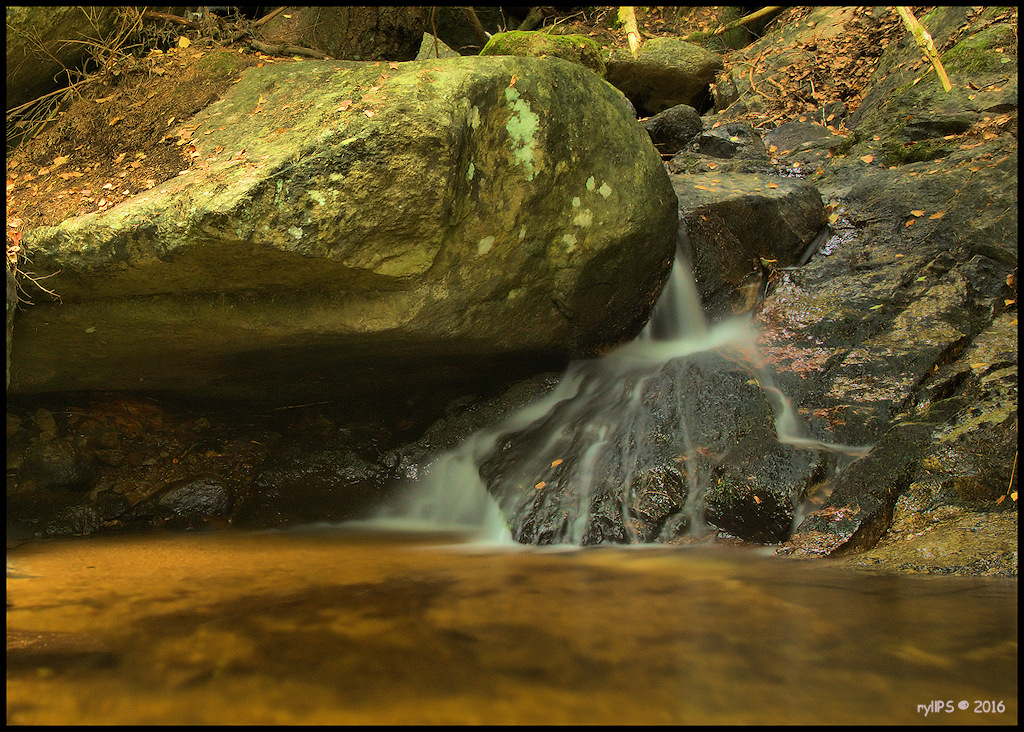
column 668, row 71
column 357, row 33
column 344, row 221
column 42, row 41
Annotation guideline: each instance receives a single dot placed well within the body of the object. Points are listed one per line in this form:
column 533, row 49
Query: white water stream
column 602, row 399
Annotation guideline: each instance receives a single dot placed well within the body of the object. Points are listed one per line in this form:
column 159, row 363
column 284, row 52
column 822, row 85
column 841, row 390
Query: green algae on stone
column 578, row 49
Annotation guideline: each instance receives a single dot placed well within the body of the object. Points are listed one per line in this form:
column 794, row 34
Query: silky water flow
column 602, row 413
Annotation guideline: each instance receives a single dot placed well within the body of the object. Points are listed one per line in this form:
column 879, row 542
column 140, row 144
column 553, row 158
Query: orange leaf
column 868, row 158
column 540, row 485
column 937, row 215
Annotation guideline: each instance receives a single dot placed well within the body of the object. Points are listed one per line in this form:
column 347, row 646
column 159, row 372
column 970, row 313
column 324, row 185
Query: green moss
column 221, row 63
column 578, row 49
column 978, row 54
column 898, row 151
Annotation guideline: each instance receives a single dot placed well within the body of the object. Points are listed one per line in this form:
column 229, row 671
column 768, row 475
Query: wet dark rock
column 734, row 222
column 187, row 503
column 731, row 140
column 300, row 483
column 58, row 464
column 45, row 421
column 658, row 493
column 804, row 143
column 757, row 487
column 861, row 506
column 464, row 417
column 592, row 472
column 57, row 512
column 672, row 129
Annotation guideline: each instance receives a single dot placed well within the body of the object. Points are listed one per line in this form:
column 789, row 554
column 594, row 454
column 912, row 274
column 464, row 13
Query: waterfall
column 595, row 429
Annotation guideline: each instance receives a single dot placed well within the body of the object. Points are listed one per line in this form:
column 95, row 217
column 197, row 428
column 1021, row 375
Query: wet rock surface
column 878, row 262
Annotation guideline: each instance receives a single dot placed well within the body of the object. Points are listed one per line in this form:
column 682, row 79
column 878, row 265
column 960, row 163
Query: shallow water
column 336, row 627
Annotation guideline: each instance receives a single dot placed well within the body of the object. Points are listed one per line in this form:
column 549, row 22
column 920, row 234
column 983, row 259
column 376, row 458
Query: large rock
column 348, row 228
column 578, row 49
column 740, row 224
column 352, row 32
column 667, row 72
column 43, row 41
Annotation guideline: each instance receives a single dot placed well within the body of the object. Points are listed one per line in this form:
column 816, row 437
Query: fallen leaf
column 937, row 215
column 910, row 223
column 183, row 42
column 369, row 112
column 556, row 462
column 540, row 485
column 868, row 158
column 917, row 213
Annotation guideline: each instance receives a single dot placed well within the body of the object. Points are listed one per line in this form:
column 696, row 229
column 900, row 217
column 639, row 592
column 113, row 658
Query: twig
column 266, row 18
column 149, row 14
column 285, row 50
column 748, row 18
column 925, row 43
column 736, row 23
column 478, row 29
column 627, row 19
column 534, row 18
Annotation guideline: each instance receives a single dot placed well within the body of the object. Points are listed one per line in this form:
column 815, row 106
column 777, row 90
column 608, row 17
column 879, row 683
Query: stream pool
column 341, row 627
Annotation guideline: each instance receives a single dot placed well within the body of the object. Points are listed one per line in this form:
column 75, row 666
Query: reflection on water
column 354, row 628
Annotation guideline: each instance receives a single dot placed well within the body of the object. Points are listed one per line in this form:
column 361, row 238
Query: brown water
column 312, row 628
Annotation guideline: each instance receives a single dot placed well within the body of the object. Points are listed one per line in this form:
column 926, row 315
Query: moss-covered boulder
column 362, row 229
column 578, row 49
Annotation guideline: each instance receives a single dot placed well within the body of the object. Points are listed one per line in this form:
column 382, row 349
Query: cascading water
column 586, row 451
